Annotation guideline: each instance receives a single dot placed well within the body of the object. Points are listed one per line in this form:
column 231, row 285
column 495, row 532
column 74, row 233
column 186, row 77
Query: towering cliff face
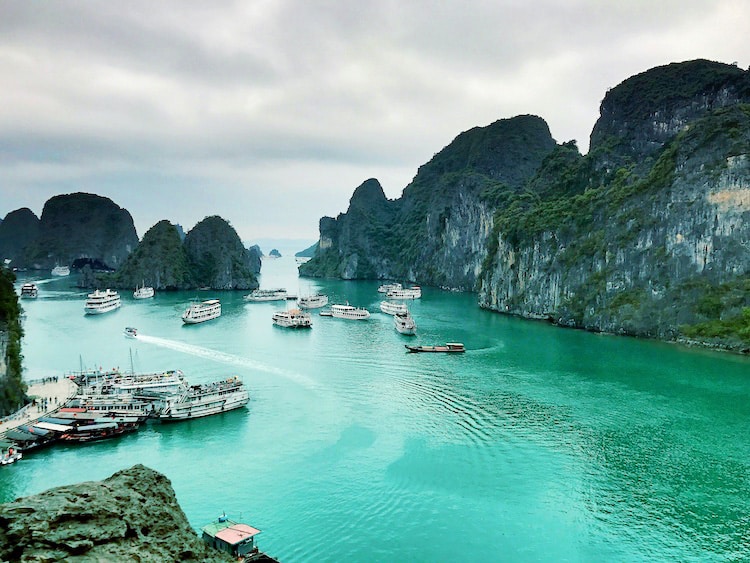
column 12, row 386
column 355, row 245
column 160, row 261
column 80, row 225
column 217, row 257
column 131, row 516
column 19, row 229
column 647, row 234
column 436, row 233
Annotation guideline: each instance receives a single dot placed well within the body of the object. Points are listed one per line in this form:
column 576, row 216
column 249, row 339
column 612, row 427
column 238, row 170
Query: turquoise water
column 538, row 444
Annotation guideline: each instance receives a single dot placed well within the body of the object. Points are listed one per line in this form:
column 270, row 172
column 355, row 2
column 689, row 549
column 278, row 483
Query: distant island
column 97, row 238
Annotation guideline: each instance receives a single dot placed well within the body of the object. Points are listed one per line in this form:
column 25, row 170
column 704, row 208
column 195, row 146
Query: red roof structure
column 236, row 533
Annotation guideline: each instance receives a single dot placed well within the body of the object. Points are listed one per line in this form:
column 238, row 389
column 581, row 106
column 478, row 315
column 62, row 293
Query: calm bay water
column 538, row 444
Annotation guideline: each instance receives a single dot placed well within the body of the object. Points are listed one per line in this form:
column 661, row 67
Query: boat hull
column 192, row 321
column 313, row 302
column 436, row 349
column 200, row 313
column 393, row 308
column 205, row 407
column 101, row 310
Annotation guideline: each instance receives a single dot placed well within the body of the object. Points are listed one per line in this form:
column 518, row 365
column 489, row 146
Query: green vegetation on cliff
column 217, row 257
column 722, row 312
column 19, row 229
column 378, row 238
column 159, row 261
column 607, row 241
column 82, row 225
column 12, row 387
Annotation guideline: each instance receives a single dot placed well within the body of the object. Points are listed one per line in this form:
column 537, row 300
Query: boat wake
column 223, row 357
column 49, row 280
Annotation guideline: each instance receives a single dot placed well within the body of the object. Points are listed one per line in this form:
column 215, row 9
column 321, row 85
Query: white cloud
column 294, row 104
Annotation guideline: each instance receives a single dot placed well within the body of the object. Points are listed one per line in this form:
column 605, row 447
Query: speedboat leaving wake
column 223, row 357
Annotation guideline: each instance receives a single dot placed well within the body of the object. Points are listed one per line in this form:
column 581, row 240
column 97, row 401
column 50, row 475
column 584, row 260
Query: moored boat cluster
column 110, row 403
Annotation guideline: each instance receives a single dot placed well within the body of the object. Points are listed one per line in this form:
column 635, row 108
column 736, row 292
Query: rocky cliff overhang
column 131, row 516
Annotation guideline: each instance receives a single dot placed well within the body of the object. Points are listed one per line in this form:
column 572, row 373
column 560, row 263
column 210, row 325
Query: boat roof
column 53, row 426
column 102, row 426
column 230, row 532
column 53, row 420
column 18, row 435
column 210, row 302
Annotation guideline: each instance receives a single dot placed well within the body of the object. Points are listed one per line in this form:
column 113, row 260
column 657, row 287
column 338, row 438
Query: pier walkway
column 50, row 394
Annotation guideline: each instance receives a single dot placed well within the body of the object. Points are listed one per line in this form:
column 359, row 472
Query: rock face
column 437, row 232
column 646, row 235
column 12, row 386
column 82, row 226
column 159, row 261
column 19, row 229
column 131, row 516
column 217, row 257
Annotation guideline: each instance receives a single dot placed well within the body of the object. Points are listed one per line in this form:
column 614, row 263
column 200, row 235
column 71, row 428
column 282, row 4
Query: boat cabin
column 230, row 537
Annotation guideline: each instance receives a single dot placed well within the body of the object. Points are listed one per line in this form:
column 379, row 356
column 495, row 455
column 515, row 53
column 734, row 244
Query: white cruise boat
column 390, row 308
column 118, row 383
column 143, row 292
column 313, row 301
column 349, row 312
column 124, row 404
column 276, row 294
column 29, row 290
column 405, row 324
column 413, row 292
column 202, row 312
column 102, row 302
column 293, row 318
column 206, row 399
column 386, row 287
column 60, row 271
column 170, row 382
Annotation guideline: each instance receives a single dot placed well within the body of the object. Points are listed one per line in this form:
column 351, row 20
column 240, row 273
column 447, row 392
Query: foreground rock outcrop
column 131, row 516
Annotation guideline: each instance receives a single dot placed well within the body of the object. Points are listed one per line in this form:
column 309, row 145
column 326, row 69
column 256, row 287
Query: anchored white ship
column 143, row 292
column 386, row 287
column 202, row 312
column 276, row 294
column 293, row 318
column 313, row 301
column 349, row 312
column 404, row 323
column 413, row 292
column 29, row 290
column 205, row 400
column 102, row 302
column 390, row 308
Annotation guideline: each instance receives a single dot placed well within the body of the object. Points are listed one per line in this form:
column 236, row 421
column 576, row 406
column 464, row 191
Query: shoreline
column 51, row 393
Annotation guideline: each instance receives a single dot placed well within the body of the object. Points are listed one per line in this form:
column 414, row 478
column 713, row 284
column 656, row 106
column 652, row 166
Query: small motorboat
column 131, row 332
column 11, row 455
column 450, row 347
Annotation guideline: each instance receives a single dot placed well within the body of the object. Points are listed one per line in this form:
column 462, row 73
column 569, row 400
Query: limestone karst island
column 411, row 386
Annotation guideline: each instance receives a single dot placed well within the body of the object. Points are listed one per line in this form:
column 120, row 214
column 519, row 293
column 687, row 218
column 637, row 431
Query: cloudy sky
column 270, row 112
